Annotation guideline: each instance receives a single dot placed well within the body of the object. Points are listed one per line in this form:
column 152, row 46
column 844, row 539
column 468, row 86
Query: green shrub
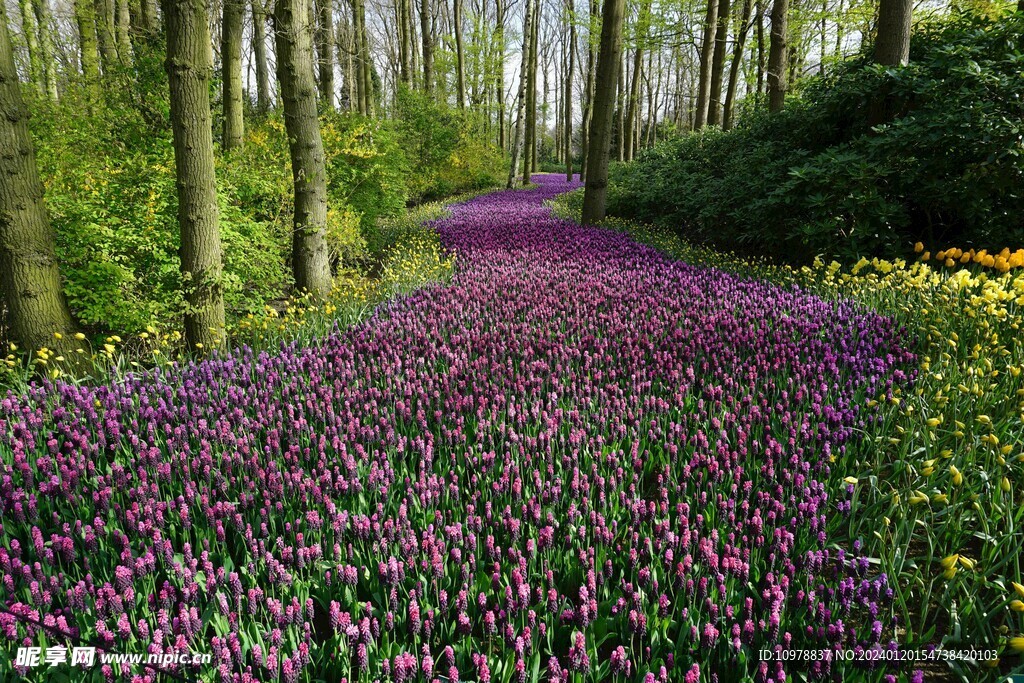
column 947, row 167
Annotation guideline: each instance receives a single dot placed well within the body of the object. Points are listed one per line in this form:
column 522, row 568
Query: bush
column 448, row 157
column 947, row 167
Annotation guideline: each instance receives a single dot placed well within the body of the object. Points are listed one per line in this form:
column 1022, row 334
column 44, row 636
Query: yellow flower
column 949, row 561
column 1017, row 644
column 958, row 478
column 79, row 336
column 918, row 247
column 1017, row 605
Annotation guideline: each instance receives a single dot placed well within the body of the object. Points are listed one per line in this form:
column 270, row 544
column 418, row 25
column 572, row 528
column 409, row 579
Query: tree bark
column 310, row 258
column 588, row 97
column 405, row 47
column 567, row 97
column 778, row 55
column 608, row 59
column 460, row 59
column 531, row 95
column 123, row 30
column 643, row 20
column 41, row 8
column 426, row 29
column 105, row 33
column 707, row 53
column 264, row 99
column 517, row 138
column 231, row 74
column 325, row 52
column 718, row 64
column 734, row 69
column 85, row 17
column 892, row 43
column 499, row 39
column 620, row 111
column 188, row 71
column 29, row 276
column 28, row 26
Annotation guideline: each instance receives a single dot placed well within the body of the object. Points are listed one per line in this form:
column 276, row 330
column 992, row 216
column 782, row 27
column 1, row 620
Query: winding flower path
column 579, row 459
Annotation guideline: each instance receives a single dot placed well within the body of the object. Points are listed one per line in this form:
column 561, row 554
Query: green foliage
column 447, row 157
column 946, row 166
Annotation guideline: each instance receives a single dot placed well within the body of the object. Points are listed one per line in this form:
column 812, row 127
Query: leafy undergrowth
column 935, row 497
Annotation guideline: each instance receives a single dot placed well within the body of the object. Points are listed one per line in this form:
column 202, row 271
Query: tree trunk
column 759, row 4
column 734, row 69
column 620, row 111
column 188, row 71
column 85, row 17
column 105, row 33
column 231, row 74
column 29, row 276
column 428, row 45
column 460, row 59
column 567, row 96
column 643, row 19
column 777, row 55
column 123, row 30
column 892, row 44
column 707, row 54
column 264, row 99
column 405, row 47
column 718, row 64
column 604, row 101
column 588, row 97
column 499, row 39
column 310, row 258
column 28, row 26
column 531, row 95
column 325, row 52
column 517, row 138
column 41, row 8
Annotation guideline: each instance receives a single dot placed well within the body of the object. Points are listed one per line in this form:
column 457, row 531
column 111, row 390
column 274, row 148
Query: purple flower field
column 579, row 461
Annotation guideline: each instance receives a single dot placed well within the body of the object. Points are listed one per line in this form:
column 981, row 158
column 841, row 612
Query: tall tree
column 642, row 23
column 734, row 69
column 460, row 57
column 588, row 96
column 29, row 276
column 707, row 53
column 517, row 137
column 264, row 99
column 325, row 51
column 778, row 55
column 529, row 148
column 106, row 34
column 310, row 259
column 405, row 44
column 499, row 86
column 892, row 41
column 570, row 12
column 427, row 36
column 123, row 30
column 718, row 64
column 604, row 101
column 188, row 70
column 85, row 18
column 31, row 33
column 231, row 76
column 41, row 9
